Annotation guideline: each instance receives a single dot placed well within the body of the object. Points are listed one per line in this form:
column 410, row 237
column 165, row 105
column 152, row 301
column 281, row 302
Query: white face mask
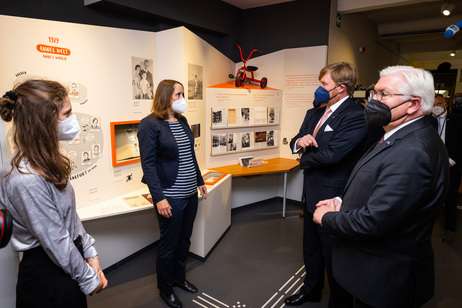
column 69, row 129
column 179, row 105
column 437, row 111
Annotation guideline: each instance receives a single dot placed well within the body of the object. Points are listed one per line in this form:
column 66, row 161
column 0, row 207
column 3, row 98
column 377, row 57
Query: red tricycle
column 241, row 75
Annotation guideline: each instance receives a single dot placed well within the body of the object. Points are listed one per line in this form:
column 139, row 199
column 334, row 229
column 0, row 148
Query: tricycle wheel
column 263, row 82
column 239, row 79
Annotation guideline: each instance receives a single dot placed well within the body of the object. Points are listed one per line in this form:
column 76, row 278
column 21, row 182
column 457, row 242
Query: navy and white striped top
column 186, row 182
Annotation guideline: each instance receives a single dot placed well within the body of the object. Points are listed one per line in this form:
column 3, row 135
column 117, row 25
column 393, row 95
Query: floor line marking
column 194, row 301
column 208, row 302
column 286, row 283
column 269, row 300
column 292, row 285
column 301, row 268
column 282, row 296
column 215, row 299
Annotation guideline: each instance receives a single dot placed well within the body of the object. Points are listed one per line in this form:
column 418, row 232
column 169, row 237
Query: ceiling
column 416, row 26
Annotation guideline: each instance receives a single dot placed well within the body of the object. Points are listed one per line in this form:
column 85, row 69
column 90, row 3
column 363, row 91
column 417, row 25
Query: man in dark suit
column 382, row 226
column 450, row 131
column 327, row 140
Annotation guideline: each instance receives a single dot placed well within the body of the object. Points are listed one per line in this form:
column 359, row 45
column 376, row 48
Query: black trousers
column 317, row 256
column 174, row 242
column 41, row 283
column 450, row 203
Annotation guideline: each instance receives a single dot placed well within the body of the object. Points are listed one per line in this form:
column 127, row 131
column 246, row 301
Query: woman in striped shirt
column 173, row 176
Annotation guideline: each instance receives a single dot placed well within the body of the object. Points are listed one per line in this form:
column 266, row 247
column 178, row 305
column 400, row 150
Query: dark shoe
column 171, row 299
column 300, row 298
column 185, row 285
column 448, row 236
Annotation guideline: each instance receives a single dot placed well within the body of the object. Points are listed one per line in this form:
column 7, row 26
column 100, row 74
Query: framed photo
column 212, row 177
column 244, row 161
column 124, row 143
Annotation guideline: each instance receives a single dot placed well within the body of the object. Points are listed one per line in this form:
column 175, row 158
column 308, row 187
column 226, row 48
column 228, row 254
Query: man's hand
column 333, row 203
column 319, row 213
column 324, row 206
column 307, row 141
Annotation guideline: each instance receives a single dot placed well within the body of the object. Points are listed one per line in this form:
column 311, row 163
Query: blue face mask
column 458, row 100
column 321, row 95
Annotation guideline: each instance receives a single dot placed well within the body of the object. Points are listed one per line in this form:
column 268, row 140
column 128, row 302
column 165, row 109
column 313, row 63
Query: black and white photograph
column 86, row 160
column 74, row 90
column 217, row 116
column 195, row 78
column 142, row 78
column 245, row 140
column 232, row 142
column 270, row 138
column 95, row 124
column 218, row 143
column 196, row 130
column 96, row 151
column 245, row 113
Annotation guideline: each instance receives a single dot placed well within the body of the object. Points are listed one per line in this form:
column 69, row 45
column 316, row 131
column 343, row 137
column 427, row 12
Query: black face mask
column 379, row 114
column 316, row 104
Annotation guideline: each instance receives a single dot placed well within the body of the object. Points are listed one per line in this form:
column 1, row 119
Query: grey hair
column 417, row 82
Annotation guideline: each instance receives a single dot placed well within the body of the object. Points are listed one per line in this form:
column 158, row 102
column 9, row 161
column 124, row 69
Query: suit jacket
column 327, row 167
column 453, row 139
column 159, row 154
column 382, row 251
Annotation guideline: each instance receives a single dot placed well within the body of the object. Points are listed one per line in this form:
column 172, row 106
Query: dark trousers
column 41, row 283
column 450, row 203
column 175, row 234
column 317, row 256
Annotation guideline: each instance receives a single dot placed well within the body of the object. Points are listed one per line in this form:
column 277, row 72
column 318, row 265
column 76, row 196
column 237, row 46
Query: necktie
column 439, row 125
column 323, row 119
column 380, row 141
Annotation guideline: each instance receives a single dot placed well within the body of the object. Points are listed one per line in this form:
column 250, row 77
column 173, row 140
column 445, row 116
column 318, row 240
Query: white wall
column 100, row 60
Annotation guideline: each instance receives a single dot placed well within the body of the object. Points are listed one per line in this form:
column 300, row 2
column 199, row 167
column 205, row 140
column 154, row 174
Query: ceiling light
column 452, row 54
column 447, row 8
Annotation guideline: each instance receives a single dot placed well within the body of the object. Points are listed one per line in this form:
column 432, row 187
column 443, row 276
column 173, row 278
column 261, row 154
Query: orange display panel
column 124, row 143
column 212, row 177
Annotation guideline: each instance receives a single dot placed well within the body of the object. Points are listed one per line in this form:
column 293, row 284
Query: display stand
column 273, row 165
column 212, row 220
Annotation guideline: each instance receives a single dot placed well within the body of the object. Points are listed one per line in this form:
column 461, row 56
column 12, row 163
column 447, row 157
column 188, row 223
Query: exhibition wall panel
column 98, row 66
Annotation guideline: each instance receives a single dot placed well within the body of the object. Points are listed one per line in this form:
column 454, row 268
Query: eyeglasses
column 380, row 94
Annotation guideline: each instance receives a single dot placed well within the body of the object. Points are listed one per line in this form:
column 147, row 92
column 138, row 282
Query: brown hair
column 162, row 99
column 342, row 73
column 33, row 105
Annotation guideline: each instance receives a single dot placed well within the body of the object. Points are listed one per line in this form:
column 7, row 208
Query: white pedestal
column 213, row 218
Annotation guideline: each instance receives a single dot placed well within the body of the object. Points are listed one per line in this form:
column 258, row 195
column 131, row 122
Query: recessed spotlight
column 447, row 8
column 452, row 54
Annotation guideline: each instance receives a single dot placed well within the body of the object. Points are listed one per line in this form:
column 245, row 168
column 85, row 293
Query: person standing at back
column 328, row 140
column 450, row 131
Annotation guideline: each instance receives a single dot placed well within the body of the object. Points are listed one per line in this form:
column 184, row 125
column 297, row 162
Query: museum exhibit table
column 272, row 165
column 212, row 220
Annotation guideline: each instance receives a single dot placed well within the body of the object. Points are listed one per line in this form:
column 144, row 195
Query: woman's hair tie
column 11, row 95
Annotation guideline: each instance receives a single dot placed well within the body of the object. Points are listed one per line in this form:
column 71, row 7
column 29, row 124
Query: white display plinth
column 213, row 218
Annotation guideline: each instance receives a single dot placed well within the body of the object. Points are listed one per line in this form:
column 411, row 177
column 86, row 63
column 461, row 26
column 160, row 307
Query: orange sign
column 53, row 50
